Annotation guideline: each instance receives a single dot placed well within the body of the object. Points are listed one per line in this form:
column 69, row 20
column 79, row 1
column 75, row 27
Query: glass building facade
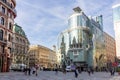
column 116, row 19
column 82, row 43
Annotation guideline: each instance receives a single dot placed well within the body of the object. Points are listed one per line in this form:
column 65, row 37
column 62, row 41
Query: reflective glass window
column 116, row 13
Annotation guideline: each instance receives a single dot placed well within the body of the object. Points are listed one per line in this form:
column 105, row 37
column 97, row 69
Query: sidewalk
column 50, row 75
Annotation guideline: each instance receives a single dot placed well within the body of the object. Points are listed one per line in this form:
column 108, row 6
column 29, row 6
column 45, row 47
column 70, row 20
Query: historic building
column 20, row 46
column 110, row 48
column 7, row 16
column 116, row 19
column 42, row 56
column 82, row 43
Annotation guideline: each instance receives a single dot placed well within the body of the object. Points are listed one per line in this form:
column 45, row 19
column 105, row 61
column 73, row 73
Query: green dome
column 18, row 29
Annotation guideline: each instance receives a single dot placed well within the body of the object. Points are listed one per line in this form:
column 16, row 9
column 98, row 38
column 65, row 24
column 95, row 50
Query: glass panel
column 116, row 13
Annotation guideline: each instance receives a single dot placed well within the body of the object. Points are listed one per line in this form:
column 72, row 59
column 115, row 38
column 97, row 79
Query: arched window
column 1, row 34
column 2, row 20
column 3, row 10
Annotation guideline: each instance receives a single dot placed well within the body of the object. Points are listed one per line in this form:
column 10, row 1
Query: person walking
column 29, row 71
column 76, row 72
column 56, row 71
column 92, row 70
column 33, row 70
column 89, row 71
column 36, row 67
column 25, row 70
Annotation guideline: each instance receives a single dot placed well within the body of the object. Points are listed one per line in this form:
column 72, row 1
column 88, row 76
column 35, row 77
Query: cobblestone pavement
column 50, row 75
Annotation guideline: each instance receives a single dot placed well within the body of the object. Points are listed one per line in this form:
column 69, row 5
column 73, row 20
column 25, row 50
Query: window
column 62, row 56
column 2, row 20
column 11, row 5
column 10, row 26
column 75, row 52
column 2, row 48
column 1, row 34
column 3, row 10
column 9, row 37
column 4, row 1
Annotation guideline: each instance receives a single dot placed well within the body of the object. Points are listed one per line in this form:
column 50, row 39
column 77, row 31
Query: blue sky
column 43, row 20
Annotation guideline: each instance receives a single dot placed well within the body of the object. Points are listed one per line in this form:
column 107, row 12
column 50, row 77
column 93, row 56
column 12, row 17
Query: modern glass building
column 116, row 19
column 82, row 43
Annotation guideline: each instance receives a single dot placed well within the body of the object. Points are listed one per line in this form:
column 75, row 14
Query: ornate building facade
column 42, row 56
column 20, row 46
column 82, row 43
column 7, row 16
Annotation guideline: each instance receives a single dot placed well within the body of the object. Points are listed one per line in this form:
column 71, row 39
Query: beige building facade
column 42, row 56
column 110, row 47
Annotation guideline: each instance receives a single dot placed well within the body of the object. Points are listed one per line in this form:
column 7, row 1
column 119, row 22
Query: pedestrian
column 92, row 70
column 113, row 72
column 33, row 70
column 36, row 67
column 29, row 71
column 56, row 71
column 25, row 70
column 89, row 71
column 76, row 72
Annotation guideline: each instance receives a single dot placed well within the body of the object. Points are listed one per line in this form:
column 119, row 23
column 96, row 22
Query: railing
column 8, row 4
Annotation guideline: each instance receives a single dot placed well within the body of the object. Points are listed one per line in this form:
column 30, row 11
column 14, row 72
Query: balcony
column 9, row 6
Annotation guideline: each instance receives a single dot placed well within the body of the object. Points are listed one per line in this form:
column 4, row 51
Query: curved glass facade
column 77, row 21
column 77, row 44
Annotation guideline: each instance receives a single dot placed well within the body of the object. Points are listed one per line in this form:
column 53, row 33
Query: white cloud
column 43, row 21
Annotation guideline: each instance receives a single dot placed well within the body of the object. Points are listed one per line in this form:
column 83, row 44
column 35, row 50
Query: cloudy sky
column 43, row 20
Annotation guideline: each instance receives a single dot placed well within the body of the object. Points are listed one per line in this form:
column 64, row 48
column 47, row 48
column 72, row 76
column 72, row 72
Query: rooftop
column 77, row 9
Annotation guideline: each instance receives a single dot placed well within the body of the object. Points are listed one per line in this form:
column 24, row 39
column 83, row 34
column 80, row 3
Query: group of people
column 90, row 71
column 31, row 70
column 77, row 71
